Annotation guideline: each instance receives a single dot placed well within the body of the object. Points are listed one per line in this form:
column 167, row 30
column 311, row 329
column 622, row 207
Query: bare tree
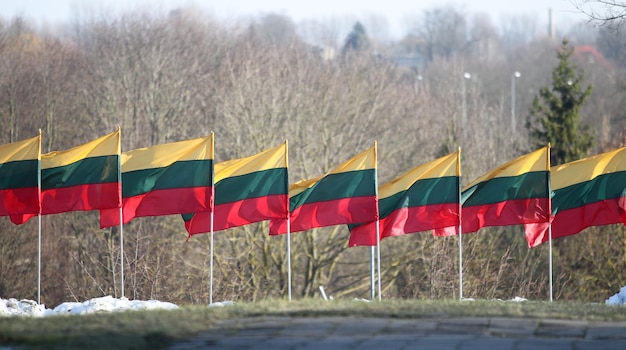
column 610, row 13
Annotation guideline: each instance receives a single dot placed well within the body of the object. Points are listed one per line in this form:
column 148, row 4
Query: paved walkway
column 277, row 333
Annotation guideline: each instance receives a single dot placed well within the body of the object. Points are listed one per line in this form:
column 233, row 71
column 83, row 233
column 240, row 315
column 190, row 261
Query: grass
column 159, row 328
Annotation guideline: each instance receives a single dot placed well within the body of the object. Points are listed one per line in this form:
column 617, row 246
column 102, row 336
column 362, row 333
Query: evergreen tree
column 554, row 114
column 357, row 39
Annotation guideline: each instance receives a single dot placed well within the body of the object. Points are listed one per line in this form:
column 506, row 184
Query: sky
column 394, row 11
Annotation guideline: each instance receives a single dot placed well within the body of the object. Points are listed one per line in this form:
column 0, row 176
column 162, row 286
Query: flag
column 587, row 192
column 424, row 198
column 512, row 194
column 345, row 195
column 172, row 178
column 82, row 178
column 19, row 177
column 247, row 190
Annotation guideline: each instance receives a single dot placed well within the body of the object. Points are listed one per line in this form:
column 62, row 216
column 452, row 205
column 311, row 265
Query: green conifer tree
column 357, row 39
column 555, row 113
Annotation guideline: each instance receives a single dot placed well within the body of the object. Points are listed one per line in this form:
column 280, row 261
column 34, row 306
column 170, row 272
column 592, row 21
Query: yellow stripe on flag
column 441, row 167
column 269, row 159
column 586, row 169
column 362, row 161
column 164, row 155
column 535, row 161
column 21, row 150
column 104, row 146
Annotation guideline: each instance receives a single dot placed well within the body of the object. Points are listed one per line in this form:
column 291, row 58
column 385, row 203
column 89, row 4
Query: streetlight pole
column 418, row 81
column 464, row 118
column 514, row 76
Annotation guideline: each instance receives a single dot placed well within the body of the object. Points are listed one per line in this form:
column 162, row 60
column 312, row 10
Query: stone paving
column 277, row 333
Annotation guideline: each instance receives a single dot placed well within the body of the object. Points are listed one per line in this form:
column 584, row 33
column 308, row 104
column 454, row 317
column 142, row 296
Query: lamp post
column 464, row 117
column 418, row 81
column 514, row 76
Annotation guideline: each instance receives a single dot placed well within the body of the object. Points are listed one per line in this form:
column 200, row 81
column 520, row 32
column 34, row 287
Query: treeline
column 181, row 75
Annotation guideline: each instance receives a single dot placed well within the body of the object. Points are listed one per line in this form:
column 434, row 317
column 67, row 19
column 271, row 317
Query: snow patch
column 13, row 307
column 222, row 303
column 618, row 299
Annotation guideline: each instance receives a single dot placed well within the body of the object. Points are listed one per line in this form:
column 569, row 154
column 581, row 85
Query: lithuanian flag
column 19, row 177
column 247, row 190
column 172, row 178
column 587, row 192
column 345, row 195
column 85, row 177
column 424, row 198
column 512, row 194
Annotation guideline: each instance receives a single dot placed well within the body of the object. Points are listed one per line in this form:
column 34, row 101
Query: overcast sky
column 57, row 10
column 395, row 12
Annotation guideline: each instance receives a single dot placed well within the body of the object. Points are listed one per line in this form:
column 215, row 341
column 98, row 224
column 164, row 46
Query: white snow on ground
column 618, row 299
column 13, row 307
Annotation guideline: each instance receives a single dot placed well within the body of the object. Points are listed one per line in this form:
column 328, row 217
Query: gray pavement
column 277, row 333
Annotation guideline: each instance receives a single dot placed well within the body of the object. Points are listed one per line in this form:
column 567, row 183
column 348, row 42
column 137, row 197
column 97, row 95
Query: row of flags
column 181, row 178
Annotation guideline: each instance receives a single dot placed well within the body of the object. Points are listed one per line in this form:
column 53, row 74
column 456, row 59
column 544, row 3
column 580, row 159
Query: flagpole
column 377, row 220
column 372, row 278
column 372, row 267
column 122, row 250
column 39, row 262
column 211, row 263
column 212, row 211
column 378, row 259
column 288, row 228
column 550, row 256
column 289, row 258
column 39, row 224
column 458, row 171
column 549, row 217
column 119, row 176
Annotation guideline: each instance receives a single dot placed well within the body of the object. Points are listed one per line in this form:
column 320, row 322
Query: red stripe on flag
column 81, row 197
column 406, row 221
column 351, row 210
column 239, row 213
column 18, row 201
column 159, row 202
column 572, row 221
column 511, row 212
column 76, row 198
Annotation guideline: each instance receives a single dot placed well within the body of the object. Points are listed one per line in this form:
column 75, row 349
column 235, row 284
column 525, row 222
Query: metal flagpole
column 119, row 176
column 550, row 254
column 212, row 211
column 39, row 225
column 289, row 258
column 39, row 262
column 372, row 279
column 288, row 228
column 122, row 250
column 377, row 219
column 211, row 263
column 549, row 219
column 458, row 171
column 378, row 259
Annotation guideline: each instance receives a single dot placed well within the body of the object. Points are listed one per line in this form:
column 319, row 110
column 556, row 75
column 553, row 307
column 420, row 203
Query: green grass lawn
column 159, row 328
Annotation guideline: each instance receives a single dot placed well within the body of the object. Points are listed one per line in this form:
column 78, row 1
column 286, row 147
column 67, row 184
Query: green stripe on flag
column 87, row 171
column 422, row 193
column 337, row 186
column 603, row 187
column 252, row 185
column 500, row 189
column 182, row 174
column 18, row 174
